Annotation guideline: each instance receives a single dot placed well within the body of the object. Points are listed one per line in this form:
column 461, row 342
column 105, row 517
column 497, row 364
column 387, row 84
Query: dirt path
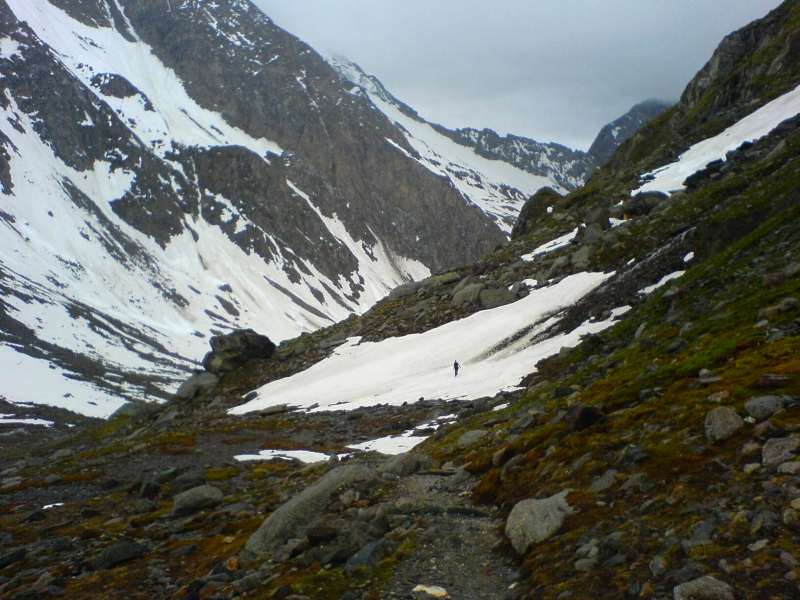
column 454, row 550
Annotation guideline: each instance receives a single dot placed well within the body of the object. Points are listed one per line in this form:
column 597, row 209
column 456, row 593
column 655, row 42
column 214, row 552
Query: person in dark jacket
column 456, row 367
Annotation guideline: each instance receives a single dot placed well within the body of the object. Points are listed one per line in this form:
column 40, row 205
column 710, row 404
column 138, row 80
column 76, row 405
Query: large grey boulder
column 722, row 423
column 196, row 385
column 703, row 588
column 292, row 517
column 470, row 438
column 195, row 499
column 121, row 552
column 494, row 297
column 469, row 294
column 406, row 289
column 405, row 464
column 533, row 521
column 779, row 450
column 134, row 409
column 232, row 350
column 763, row 407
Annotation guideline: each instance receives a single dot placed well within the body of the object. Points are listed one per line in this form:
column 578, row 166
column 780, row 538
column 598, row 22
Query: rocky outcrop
column 537, row 206
column 232, row 350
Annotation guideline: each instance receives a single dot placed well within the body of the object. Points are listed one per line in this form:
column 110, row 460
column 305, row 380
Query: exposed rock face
column 533, row 521
column 234, row 349
column 615, row 133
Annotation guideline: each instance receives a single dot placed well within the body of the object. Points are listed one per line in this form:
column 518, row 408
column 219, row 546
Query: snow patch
column 645, row 291
column 551, row 246
column 670, row 178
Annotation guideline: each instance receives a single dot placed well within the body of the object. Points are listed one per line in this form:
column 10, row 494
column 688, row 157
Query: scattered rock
column 722, row 423
column 434, row 591
column 703, row 588
column 763, row 407
column 405, row 464
column 779, row 450
column 196, row 385
column 532, row 521
column 581, row 416
column 470, row 438
column 133, row 409
column 195, row 499
column 469, row 294
column 494, row 297
column 61, row 454
column 604, row 481
column 121, row 552
column 773, row 380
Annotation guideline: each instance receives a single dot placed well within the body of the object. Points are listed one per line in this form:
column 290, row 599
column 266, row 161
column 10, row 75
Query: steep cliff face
column 186, row 168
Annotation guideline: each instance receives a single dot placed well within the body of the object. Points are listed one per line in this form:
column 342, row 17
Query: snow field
column 407, row 368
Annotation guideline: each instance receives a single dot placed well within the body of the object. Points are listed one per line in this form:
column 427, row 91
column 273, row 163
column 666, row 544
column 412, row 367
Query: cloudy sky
column 553, row 70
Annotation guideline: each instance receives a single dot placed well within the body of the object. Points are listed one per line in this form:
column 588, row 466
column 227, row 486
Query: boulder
column 494, row 297
column 580, row 258
column 407, row 289
column 468, row 294
column 779, row 450
column 534, row 211
column 440, row 280
column 533, row 521
column 133, row 409
column 405, row 464
column 120, row 552
column 470, row 438
column 291, row 518
column 195, row 499
column 763, row 407
column 231, row 351
column 196, row 385
column 722, row 423
column 581, row 416
column 703, row 588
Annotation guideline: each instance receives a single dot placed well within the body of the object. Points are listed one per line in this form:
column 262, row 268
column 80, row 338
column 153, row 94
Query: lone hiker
column 456, row 367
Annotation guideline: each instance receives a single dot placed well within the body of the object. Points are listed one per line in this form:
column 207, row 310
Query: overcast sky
column 553, row 70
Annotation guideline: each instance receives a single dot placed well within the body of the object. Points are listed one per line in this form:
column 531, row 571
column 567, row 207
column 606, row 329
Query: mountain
column 619, row 130
column 174, row 170
column 490, row 168
column 627, row 408
column 499, row 186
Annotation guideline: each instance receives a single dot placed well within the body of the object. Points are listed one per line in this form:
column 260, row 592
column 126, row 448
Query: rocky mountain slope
column 625, row 423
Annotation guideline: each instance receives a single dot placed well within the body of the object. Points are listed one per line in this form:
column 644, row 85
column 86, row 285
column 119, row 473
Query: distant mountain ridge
column 620, row 130
column 565, row 168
